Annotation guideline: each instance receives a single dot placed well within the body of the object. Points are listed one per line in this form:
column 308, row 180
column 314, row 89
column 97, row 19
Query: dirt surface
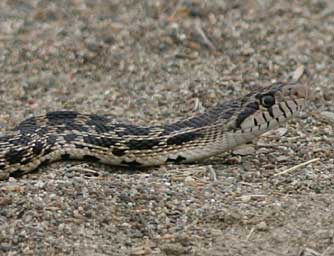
column 153, row 62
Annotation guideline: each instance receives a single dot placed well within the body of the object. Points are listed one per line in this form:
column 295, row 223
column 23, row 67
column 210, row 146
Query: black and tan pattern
column 71, row 135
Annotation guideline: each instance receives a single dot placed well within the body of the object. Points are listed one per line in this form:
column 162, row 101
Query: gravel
column 154, row 62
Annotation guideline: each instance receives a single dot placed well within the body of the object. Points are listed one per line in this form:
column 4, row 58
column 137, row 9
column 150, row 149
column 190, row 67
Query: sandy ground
column 154, row 62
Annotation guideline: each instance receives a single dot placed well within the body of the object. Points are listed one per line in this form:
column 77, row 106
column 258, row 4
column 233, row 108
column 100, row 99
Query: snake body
column 64, row 135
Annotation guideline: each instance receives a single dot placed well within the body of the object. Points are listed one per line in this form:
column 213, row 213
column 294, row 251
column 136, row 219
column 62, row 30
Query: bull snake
column 64, row 135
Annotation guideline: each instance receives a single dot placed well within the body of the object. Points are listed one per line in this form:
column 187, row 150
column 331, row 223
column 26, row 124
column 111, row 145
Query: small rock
column 216, row 232
column 189, row 180
column 282, row 158
column 174, row 249
column 262, row 226
column 246, row 198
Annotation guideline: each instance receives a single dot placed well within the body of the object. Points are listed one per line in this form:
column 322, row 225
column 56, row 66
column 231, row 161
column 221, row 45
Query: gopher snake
column 70, row 135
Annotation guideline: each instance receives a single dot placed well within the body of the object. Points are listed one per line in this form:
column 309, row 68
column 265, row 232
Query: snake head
column 270, row 107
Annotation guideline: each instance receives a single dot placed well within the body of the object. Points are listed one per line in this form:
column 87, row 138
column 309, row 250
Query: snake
column 69, row 135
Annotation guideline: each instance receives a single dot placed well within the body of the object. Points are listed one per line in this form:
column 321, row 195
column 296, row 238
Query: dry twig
column 293, row 168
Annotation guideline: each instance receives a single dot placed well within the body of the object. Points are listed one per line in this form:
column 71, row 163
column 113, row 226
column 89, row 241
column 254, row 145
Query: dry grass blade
column 212, row 173
column 297, row 167
column 250, row 234
column 206, row 40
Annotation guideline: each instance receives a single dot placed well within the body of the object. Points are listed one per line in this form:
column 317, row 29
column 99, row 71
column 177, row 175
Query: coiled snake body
column 71, row 135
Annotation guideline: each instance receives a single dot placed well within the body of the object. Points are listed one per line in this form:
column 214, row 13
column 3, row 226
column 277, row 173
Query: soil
column 153, row 62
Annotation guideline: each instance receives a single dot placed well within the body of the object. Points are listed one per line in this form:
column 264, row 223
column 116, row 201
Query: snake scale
column 64, row 135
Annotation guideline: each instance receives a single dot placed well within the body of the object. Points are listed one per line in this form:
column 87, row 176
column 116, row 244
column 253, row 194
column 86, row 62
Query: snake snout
column 297, row 91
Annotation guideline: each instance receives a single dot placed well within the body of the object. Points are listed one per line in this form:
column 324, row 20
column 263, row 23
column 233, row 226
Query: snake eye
column 268, row 100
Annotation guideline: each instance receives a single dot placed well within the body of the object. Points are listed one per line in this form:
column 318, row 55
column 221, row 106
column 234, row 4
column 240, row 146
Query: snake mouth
column 272, row 107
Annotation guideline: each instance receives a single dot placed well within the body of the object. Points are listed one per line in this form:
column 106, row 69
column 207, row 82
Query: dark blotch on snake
column 179, row 159
column 91, row 158
column 118, row 151
column 20, row 140
column 98, row 119
column 131, row 164
column 104, row 124
column 18, row 173
column 194, row 122
column 142, row 144
column 65, row 120
column 249, row 109
column 41, row 131
column 128, row 129
column 14, row 156
column 100, row 123
column 69, row 138
column 5, row 139
column 26, row 126
column 80, row 146
column 51, row 142
column 61, row 115
column 100, row 141
column 183, row 138
column 45, row 162
column 65, row 157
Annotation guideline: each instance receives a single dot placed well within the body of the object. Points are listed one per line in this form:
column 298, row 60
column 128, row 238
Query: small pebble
column 262, row 226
